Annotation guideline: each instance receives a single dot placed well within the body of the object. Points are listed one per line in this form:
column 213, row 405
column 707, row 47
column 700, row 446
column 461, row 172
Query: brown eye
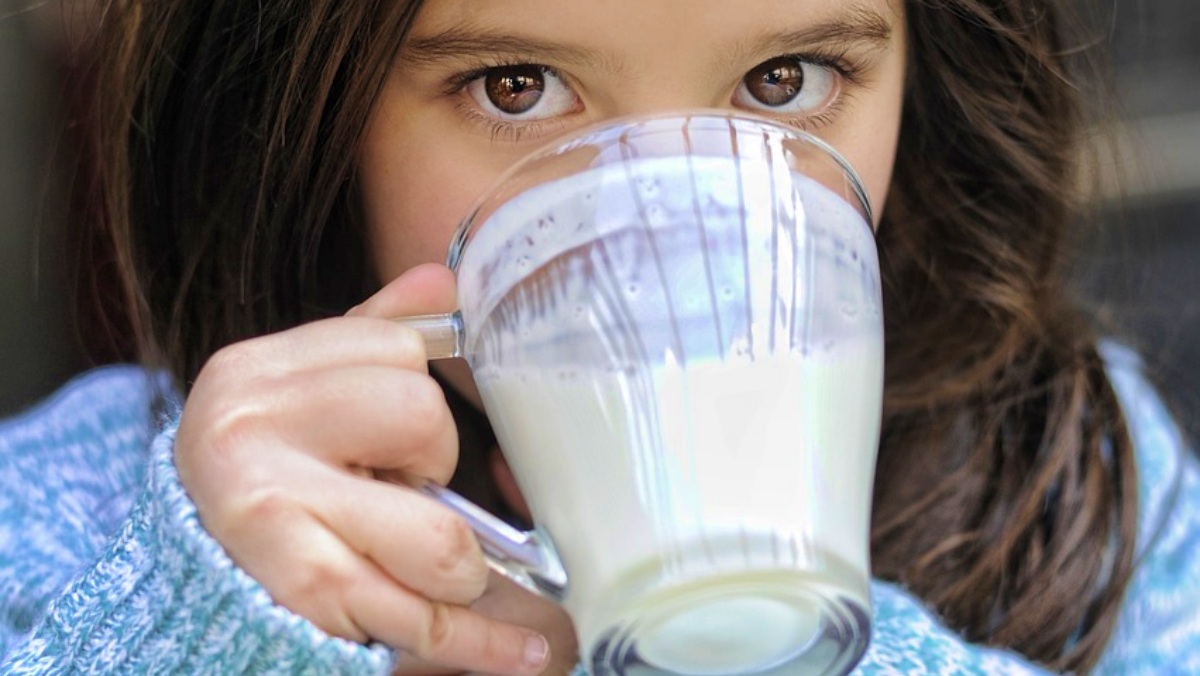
column 776, row 82
column 522, row 92
column 515, row 90
column 789, row 85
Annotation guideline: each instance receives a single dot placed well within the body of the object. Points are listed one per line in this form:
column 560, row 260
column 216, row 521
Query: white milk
column 686, row 410
column 768, row 463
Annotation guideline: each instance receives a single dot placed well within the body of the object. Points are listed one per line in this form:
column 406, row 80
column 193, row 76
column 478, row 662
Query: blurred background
column 1140, row 273
column 39, row 344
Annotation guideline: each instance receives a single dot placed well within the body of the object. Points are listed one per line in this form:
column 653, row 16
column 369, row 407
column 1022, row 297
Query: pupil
column 515, row 89
column 776, row 82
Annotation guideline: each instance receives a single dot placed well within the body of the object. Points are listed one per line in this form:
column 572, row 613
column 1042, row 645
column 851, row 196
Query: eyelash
column 503, row 130
column 847, row 71
column 499, row 130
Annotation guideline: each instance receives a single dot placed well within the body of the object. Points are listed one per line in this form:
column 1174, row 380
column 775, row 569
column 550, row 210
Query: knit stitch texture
column 105, row 568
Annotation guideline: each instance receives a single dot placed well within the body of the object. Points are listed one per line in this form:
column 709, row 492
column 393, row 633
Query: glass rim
column 593, row 133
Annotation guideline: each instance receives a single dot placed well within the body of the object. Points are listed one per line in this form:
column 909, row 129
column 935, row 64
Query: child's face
column 483, row 82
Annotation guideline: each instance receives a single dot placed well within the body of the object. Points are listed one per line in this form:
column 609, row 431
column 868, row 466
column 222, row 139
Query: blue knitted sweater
column 104, row 567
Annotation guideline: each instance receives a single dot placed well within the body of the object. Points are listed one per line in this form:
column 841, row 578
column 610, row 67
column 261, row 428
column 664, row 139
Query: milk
column 683, row 366
column 767, row 463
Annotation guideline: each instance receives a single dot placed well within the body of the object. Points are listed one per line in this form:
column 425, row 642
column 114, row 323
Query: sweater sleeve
column 158, row 594
column 1158, row 631
column 1159, row 628
column 907, row 638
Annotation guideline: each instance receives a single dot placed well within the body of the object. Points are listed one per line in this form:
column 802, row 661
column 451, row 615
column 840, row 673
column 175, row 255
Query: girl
column 280, row 178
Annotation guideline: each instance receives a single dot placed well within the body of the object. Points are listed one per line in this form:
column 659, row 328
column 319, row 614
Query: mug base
column 737, row 627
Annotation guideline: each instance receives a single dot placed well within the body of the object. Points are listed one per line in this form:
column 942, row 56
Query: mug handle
column 525, row 557
column 443, row 334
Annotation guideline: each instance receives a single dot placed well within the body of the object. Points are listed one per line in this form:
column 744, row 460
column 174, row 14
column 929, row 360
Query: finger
column 373, row 417
column 233, row 445
column 304, row 566
column 418, row 542
column 424, row 289
column 415, row 666
column 326, row 343
column 308, row 569
column 443, row 633
column 505, row 601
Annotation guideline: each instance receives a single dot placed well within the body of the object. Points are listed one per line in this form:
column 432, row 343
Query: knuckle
column 233, row 360
column 316, row 577
column 233, row 423
column 497, row 650
column 437, row 634
column 457, row 555
column 405, row 343
column 427, row 402
column 431, row 425
column 232, row 428
column 265, row 501
column 227, row 406
column 215, row 451
column 254, row 504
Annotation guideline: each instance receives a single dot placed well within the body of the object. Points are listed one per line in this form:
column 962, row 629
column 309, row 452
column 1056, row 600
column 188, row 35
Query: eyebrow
column 465, row 43
column 858, row 25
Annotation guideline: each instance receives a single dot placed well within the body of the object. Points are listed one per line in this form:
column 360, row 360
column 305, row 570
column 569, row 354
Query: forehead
column 610, row 31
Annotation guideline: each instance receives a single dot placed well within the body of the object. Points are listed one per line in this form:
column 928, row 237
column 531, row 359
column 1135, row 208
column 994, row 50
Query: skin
column 296, row 447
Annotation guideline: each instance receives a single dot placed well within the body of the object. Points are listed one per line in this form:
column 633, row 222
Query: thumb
column 425, row 289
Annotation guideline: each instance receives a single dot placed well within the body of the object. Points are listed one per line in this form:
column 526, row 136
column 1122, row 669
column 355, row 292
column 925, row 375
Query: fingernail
column 537, row 650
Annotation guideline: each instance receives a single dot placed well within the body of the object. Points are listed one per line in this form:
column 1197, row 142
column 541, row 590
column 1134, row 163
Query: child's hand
column 504, row 600
column 278, row 446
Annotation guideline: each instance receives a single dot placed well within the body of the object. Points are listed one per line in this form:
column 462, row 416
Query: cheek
column 869, row 141
column 416, row 185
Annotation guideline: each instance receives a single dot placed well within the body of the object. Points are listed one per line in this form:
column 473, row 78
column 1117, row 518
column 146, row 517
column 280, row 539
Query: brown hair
column 1005, row 494
column 227, row 132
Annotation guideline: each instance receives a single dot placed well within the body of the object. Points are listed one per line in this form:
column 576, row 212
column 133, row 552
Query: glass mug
column 675, row 325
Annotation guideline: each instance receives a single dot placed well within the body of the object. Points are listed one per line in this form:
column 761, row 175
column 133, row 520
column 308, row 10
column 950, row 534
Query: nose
column 672, row 104
column 666, row 86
